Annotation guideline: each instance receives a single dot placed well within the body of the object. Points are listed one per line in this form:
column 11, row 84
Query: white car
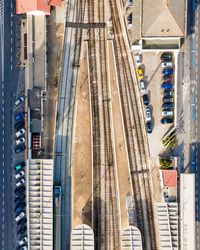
column 20, row 183
column 20, row 216
column 19, row 100
column 142, row 86
column 23, row 241
column 166, row 64
column 167, row 113
column 20, row 141
column 138, row 60
column 19, row 175
column 20, row 132
column 148, row 114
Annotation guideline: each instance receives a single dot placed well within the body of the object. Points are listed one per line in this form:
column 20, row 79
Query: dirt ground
column 123, row 174
column 82, row 155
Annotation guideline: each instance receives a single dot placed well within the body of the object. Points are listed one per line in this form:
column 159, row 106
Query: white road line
column 11, row 67
column 11, row 32
column 11, row 23
column 11, row 49
column 11, row 40
column 11, row 5
column 11, row 58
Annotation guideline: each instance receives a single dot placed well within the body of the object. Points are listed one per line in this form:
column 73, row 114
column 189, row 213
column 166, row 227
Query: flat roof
column 169, row 178
column 163, row 18
column 187, row 210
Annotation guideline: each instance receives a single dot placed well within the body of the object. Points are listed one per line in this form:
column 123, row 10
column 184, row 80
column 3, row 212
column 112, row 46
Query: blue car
column 168, row 105
column 166, row 120
column 168, row 71
column 19, row 116
column 167, row 85
column 19, row 149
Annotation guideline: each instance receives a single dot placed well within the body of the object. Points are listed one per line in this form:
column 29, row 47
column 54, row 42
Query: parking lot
column 153, row 79
column 18, row 174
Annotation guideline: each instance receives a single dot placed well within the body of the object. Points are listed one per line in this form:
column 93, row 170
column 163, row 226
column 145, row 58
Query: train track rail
column 106, row 228
column 137, row 152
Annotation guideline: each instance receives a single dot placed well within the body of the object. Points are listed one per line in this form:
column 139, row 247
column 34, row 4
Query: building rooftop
column 169, row 178
column 163, row 18
column 36, row 6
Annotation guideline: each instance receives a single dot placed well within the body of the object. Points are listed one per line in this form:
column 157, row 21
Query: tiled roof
column 169, row 178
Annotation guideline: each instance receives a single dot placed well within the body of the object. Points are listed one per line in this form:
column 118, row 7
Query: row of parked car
column 20, row 189
column 144, row 93
column 168, row 88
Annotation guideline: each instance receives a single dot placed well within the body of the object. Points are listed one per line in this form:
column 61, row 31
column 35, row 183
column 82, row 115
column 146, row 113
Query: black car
column 21, row 231
column 19, row 191
column 20, row 204
column 22, row 222
column 146, row 100
column 149, row 127
column 19, row 149
column 20, row 198
column 166, row 120
column 19, row 125
column 168, row 105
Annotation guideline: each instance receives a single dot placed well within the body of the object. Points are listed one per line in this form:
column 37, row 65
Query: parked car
column 19, row 191
column 19, row 116
column 20, row 198
column 142, row 86
column 20, row 141
column 20, row 204
column 19, row 100
column 166, row 64
column 20, row 183
column 148, row 114
column 167, row 78
column 18, row 210
column 19, row 166
column 146, row 100
column 167, row 71
column 166, row 56
column 140, row 73
column 168, row 105
column 167, row 85
column 166, row 120
column 138, row 60
column 22, row 222
column 168, row 92
column 149, row 127
column 21, row 231
column 20, row 216
column 168, row 99
column 20, row 132
column 19, row 125
column 167, row 112
column 23, row 241
column 19, row 149
column 19, row 175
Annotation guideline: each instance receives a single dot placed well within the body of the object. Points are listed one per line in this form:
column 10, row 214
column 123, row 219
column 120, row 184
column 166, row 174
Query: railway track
column 106, row 229
column 137, row 152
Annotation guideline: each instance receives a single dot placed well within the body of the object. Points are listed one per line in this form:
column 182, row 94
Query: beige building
column 162, row 23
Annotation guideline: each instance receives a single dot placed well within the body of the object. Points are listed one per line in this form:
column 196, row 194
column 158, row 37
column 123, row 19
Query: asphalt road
column 8, row 84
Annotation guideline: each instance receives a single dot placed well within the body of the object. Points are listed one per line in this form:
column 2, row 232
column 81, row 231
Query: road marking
column 11, row 32
column 11, row 49
column 11, row 58
column 11, row 23
column 11, row 67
